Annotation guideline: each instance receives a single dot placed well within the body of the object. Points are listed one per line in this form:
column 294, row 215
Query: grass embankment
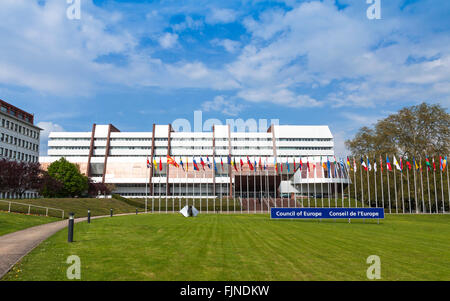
column 12, row 222
column 79, row 206
column 244, row 247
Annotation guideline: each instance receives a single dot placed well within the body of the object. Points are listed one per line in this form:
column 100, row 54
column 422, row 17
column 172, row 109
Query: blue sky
column 135, row 63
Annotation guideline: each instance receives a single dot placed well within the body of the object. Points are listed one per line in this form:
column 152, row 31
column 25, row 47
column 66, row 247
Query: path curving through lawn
column 14, row 246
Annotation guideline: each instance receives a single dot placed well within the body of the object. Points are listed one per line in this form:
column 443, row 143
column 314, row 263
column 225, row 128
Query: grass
column 244, row 247
column 78, row 206
column 12, row 222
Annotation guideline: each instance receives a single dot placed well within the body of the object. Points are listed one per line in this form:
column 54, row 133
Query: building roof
column 14, row 111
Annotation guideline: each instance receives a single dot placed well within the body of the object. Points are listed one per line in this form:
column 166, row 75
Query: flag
column 181, row 162
column 354, row 164
column 374, row 165
column 148, row 163
column 221, row 163
column 202, row 163
column 250, row 165
column 160, row 164
column 260, row 165
column 234, row 164
column 301, row 164
column 155, row 163
column 171, row 161
column 368, row 164
column 441, row 163
column 187, row 164
column 408, row 164
column 281, row 166
column 396, row 164
column 215, row 166
column 401, row 164
column 444, row 163
column 381, row 163
column 229, row 160
column 242, row 163
column 288, row 168
column 434, row 165
column 363, row 164
column 265, row 164
column 256, row 166
column 195, row 164
column 328, row 167
column 348, row 162
column 427, row 163
column 415, row 163
column 207, row 160
column 388, row 164
column 307, row 164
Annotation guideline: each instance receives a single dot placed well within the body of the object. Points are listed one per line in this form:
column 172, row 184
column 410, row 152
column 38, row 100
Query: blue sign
column 314, row 213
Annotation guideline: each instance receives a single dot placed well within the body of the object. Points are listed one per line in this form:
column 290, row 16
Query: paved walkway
column 14, row 246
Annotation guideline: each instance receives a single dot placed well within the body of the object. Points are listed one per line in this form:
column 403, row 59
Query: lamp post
column 71, row 222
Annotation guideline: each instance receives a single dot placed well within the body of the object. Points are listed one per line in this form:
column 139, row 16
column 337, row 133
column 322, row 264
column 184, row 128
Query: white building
column 19, row 138
column 107, row 155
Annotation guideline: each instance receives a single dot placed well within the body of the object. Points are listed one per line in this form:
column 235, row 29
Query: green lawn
column 11, row 222
column 244, row 247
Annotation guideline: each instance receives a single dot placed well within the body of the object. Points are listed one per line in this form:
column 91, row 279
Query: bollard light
column 71, row 222
column 136, row 211
column 89, row 216
column 111, row 212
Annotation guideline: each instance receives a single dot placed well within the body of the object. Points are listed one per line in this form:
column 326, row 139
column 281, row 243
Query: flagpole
column 240, row 183
column 342, row 181
column 321, row 181
column 354, row 179
column 424, row 209
column 401, row 186
column 428, row 187
column 395, row 188
column 147, row 175
column 435, row 190
column 307, row 177
column 362, row 186
column 159, row 189
column 375, row 180
column 442, row 188
column 409, row 189
column 260, row 187
column 254, row 187
column 301, row 180
column 179, row 187
column 368, row 183
column 448, row 186
column 389, row 187
column 315, row 194
column 381, row 177
column 415, row 186
column 335, row 183
column 329, row 183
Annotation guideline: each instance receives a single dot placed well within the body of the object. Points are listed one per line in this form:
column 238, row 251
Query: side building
column 222, row 156
column 19, row 138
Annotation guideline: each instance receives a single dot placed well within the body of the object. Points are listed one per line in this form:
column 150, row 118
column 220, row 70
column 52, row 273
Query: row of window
column 195, row 139
column 12, row 113
column 15, row 155
column 19, row 128
column 235, row 148
column 19, row 142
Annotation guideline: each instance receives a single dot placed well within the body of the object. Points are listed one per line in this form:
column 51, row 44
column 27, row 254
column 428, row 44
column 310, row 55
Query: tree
column 74, row 183
column 413, row 131
column 50, row 187
column 95, row 188
column 19, row 177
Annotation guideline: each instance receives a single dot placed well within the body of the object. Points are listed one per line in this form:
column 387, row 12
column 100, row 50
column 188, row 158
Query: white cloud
column 223, row 105
column 229, row 45
column 47, row 127
column 168, row 40
column 221, row 15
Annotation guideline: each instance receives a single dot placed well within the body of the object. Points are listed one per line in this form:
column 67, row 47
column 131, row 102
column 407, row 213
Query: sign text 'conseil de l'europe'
column 314, row 213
